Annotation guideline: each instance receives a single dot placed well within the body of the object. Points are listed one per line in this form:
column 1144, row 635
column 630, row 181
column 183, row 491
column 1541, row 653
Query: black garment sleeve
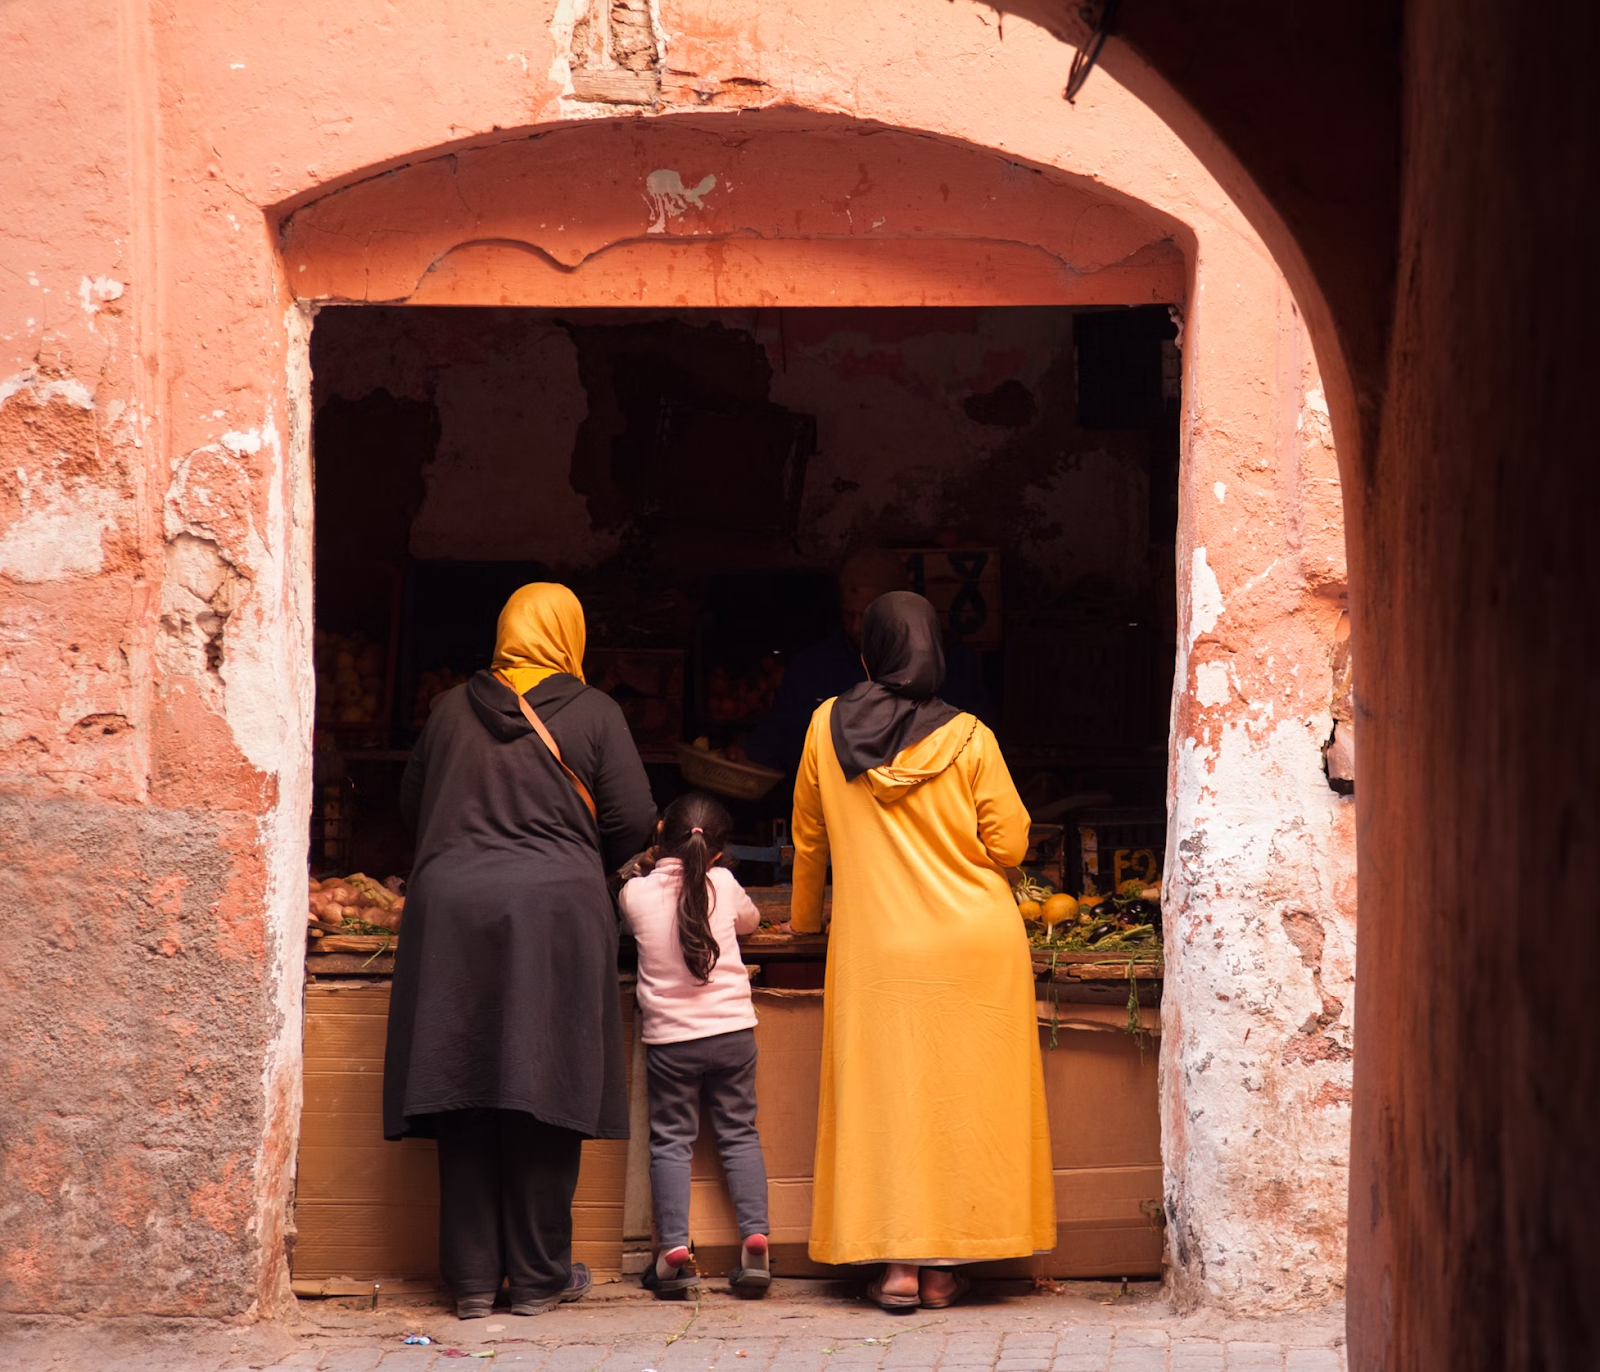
column 627, row 810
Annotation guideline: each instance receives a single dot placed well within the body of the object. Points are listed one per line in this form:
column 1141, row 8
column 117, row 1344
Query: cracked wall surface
column 163, row 220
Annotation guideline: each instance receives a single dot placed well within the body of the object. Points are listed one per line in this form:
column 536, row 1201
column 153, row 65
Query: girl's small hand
column 640, row 865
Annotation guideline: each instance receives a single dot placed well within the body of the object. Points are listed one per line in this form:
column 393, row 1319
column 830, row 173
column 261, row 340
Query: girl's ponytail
column 695, row 830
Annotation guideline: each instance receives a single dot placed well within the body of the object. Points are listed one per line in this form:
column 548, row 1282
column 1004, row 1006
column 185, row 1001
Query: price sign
column 964, row 586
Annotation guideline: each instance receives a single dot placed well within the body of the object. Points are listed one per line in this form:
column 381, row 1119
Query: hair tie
column 698, row 830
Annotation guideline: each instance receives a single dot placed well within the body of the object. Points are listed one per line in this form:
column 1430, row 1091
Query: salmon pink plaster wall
column 182, row 184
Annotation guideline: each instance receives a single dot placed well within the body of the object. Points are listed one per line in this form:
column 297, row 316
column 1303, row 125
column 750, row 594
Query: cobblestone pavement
column 800, row 1327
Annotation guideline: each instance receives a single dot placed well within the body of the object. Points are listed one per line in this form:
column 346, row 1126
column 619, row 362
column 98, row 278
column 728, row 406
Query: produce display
column 350, row 678
column 355, row 904
column 430, row 686
column 1090, row 922
column 731, row 696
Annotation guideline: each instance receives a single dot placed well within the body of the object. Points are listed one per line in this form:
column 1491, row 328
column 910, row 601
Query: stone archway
column 809, row 209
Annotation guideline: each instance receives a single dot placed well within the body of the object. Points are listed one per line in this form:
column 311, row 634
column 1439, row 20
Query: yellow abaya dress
column 932, row 1138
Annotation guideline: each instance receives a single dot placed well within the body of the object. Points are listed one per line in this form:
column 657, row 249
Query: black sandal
column 665, row 1288
column 750, row 1281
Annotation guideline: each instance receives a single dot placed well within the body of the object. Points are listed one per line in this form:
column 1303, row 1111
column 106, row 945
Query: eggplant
column 1101, row 930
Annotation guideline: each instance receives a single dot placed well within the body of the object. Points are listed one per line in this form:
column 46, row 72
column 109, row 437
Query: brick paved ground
column 800, row 1327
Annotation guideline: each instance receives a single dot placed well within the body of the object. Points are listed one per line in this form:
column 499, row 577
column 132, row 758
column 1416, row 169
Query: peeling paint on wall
column 1205, row 598
column 60, row 533
column 669, row 197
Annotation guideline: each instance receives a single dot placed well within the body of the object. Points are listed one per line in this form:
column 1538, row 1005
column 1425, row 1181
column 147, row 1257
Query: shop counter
column 368, row 1210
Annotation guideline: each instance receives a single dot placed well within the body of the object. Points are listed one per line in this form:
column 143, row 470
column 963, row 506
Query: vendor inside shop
column 831, row 667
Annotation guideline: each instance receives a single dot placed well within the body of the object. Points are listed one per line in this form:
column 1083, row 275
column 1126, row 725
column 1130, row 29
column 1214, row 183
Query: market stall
column 703, row 480
column 367, row 1210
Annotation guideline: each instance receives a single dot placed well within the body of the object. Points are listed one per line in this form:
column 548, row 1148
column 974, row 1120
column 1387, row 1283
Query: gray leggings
column 724, row 1067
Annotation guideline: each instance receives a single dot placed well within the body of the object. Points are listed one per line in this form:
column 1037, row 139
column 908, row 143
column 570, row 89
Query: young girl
column 699, row 1032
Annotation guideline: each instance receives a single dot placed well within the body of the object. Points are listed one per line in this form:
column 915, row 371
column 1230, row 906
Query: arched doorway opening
column 854, row 247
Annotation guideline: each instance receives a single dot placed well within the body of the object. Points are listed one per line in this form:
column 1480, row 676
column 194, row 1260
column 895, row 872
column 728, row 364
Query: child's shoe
column 753, row 1275
column 669, row 1275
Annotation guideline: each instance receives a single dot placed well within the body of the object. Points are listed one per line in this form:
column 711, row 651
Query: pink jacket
column 675, row 1006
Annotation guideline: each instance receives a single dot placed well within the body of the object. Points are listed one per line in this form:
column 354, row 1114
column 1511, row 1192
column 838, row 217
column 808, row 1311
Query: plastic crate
column 1125, row 843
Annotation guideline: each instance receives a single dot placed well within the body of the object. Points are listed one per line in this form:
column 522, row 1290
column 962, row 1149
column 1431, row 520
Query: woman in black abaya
column 505, row 1034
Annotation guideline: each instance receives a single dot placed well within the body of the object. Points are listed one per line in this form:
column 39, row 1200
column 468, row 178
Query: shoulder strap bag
column 550, row 743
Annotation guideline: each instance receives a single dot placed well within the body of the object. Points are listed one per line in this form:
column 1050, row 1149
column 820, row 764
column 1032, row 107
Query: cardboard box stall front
column 366, row 1208
column 369, row 1209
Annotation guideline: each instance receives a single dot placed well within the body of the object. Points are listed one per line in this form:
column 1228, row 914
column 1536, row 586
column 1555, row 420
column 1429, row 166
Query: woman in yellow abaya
column 933, row 1147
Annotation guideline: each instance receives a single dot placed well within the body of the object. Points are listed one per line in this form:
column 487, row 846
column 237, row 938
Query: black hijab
column 878, row 719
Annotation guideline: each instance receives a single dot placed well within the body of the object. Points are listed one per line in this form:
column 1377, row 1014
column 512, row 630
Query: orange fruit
column 1060, row 909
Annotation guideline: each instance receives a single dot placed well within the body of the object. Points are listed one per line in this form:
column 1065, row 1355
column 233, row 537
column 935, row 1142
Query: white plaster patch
column 259, row 721
column 1205, row 598
column 668, row 197
column 1220, row 490
column 562, row 22
column 73, row 391
column 92, row 294
column 1315, row 417
column 1211, row 683
column 1253, row 848
column 239, row 442
column 60, row 534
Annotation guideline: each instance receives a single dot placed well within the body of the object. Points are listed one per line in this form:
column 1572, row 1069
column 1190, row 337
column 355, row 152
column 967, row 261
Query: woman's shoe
column 962, row 1285
column 578, row 1283
column 474, row 1307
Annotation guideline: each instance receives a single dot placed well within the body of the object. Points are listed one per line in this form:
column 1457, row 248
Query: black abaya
column 505, row 985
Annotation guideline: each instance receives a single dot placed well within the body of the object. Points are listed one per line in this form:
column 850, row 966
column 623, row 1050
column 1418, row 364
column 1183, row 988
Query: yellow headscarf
column 540, row 633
